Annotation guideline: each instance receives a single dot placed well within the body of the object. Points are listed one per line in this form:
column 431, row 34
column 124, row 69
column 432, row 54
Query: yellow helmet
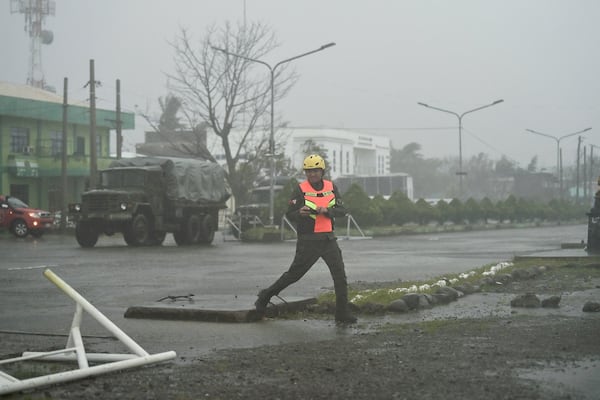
column 314, row 161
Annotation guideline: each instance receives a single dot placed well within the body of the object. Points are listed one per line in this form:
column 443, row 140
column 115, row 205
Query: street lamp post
column 272, row 70
column 558, row 139
column 460, row 172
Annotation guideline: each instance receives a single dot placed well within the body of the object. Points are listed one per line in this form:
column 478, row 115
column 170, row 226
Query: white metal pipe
column 97, row 315
column 76, row 322
column 84, row 373
column 76, row 336
column 35, row 355
column 6, row 378
column 92, row 357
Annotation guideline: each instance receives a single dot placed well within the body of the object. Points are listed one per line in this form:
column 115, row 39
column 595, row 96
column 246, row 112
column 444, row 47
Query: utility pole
column 119, row 135
column 93, row 155
column 63, row 156
column 560, row 163
column 585, row 181
column 578, row 153
column 593, row 177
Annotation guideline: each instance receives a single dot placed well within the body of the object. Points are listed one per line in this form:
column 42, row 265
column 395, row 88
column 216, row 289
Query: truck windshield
column 260, row 196
column 122, row 178
column 16, row 203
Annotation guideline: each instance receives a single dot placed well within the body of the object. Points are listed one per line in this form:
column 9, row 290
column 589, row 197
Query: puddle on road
column 582, row 377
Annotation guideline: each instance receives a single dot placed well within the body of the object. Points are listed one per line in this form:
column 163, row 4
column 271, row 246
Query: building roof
column 358, row 139
column 28, row 92
column 29, row 102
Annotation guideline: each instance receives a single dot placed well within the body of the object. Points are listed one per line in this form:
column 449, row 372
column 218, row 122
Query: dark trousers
column 308, row 253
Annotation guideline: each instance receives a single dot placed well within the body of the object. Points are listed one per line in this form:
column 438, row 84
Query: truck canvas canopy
column 186, row 179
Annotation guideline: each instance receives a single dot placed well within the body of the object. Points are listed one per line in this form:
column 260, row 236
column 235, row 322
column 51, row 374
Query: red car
column 21, row 220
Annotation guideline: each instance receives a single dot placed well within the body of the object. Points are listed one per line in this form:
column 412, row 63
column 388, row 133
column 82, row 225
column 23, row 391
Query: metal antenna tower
column 35, row 12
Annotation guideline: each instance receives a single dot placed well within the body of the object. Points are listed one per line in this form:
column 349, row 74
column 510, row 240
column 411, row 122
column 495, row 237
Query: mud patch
column 581, row 377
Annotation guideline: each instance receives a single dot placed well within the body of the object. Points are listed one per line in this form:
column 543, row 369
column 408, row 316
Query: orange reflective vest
column 321, row 198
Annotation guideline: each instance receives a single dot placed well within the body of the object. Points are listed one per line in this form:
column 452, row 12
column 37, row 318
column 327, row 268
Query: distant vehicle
column 145, row 198
column 21, row 219
column 255, row 212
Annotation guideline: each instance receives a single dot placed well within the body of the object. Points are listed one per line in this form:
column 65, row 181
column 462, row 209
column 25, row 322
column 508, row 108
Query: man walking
column 313, row 206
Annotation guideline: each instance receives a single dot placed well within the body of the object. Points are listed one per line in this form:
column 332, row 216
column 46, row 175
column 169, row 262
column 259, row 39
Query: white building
column 352, row 157
column 349, row 153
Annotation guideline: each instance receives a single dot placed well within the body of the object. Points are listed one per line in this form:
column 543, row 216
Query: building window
column 55, row 143
column 20, row 191
column 19, row 139
column 347, row 162
column 98, row 146
column 79, row 146
column 333, row 162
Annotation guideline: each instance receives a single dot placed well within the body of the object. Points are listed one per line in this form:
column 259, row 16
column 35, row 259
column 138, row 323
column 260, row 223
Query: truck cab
column 255, row 211
column 21, row 219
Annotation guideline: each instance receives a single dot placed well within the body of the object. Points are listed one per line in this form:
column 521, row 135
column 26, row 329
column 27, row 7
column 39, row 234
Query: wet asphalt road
column 114, row 277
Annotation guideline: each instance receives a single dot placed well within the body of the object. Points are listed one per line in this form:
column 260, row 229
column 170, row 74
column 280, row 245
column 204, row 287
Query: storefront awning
column 23, row 167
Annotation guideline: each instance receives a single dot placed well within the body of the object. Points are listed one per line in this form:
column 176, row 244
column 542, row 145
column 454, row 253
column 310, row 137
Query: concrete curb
column 209, row 311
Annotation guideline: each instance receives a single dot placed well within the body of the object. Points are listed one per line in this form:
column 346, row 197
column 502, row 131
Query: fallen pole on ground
column 75, row 349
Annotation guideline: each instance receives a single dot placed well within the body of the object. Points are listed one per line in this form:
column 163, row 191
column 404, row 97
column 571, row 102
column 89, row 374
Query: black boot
column 345, row 317
column 261, row 303
column 342, row 313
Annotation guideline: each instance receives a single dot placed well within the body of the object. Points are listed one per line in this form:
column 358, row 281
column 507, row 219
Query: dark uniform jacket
column 305, row 226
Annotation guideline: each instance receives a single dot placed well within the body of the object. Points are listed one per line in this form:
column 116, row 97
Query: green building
column 31, row 122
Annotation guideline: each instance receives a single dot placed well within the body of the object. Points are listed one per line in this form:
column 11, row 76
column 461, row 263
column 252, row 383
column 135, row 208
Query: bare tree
column 231, row 94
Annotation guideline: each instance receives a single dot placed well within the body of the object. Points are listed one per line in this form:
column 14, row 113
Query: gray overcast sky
column 540, row 56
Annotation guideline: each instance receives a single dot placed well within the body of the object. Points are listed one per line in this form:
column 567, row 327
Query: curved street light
column 272, row 70
column 460, row 172
column 558, row 139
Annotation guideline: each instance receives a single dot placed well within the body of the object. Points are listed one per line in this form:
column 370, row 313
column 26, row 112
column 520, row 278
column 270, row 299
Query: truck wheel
column 157, row 238
column 19, row 228
column 138, row 233
column 207, row 233
column 194, row 229
column 86, row 235
column 180, row 238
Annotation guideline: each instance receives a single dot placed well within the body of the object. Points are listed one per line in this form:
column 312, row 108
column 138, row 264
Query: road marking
column 34, row 267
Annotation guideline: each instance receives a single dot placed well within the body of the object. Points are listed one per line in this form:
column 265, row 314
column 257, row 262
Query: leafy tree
column 472, row 210
column 532, row 166
column 403, row 210
column 524, row 210
column 480, row 179
column 428, row 181
column 385, row 207
column 507, row 209
column 487, row 209
column 169, row 121
column 443, row 211
column 425, row 212
column 505, row 167
column 457, row 213
column 360, row 206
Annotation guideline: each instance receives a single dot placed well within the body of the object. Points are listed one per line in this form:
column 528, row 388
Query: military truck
column 147, row 197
